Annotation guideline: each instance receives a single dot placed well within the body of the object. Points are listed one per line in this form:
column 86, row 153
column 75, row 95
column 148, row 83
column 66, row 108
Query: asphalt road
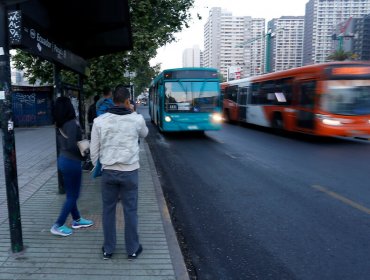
column 248, row 204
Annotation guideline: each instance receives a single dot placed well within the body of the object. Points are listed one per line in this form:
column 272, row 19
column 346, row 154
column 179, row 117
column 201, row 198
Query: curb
column 178, row 262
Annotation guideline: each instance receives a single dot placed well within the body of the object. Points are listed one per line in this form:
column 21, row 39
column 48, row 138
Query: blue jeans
column 72, row 175
column 123, row 184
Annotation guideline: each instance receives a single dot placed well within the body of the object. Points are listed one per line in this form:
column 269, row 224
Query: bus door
column 242, row 102
column 160, row 103
column 151, row 103
column 305, row 116
column 230, row 107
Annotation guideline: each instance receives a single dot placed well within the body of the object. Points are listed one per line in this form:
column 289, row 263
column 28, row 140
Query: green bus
column 186, row 99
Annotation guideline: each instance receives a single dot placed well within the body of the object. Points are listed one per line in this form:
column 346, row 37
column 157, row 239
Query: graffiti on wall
column 31, row 108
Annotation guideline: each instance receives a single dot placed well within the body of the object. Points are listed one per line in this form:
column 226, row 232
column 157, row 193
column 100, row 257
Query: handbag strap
column 63, row 134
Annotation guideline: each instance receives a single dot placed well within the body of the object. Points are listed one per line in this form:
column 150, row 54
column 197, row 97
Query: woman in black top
column 69, row 164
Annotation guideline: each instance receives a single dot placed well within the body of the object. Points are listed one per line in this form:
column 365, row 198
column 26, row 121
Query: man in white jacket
column 114, row 141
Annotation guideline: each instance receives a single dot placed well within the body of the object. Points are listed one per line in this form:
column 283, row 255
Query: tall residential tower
column 233, row 42
column 321, row 19
column 191, row 57
column 286, row 42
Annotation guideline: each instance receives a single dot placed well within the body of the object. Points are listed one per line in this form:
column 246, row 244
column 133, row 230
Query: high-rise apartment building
column 191, row 57
column 321, row 19
column 353, row 35
column 286, row 42
column 356, row 38
column 254, row 47
column 365, row 51
column 227, row 42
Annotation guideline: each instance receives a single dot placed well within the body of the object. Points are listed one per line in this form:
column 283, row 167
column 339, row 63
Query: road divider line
column 230, row 155
column 342, row 199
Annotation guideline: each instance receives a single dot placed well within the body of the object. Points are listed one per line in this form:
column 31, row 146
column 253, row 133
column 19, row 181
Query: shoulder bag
column 83, row 145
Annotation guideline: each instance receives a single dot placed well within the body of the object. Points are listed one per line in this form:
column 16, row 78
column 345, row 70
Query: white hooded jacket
column 114, row 140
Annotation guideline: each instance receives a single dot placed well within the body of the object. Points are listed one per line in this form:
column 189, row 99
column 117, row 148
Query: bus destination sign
column 351, row 71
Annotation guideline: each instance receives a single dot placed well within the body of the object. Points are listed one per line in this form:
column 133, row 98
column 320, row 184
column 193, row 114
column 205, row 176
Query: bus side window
column 234, row 93
column 307, row 94
column 267, row 93
column 287, row 88
column 243, row 91
column 151, row 93
column 156, row 94
column 231, row 93
column 284, row 92
column 254, row 93
column 226, row 93
column 223, row 93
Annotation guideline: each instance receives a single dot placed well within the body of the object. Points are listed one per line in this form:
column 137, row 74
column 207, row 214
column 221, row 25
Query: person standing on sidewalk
column 114, row 141
column 105, row 102
column 69, row 164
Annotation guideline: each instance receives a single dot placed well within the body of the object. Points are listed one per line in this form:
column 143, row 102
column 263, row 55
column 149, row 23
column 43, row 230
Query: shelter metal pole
column 7, row 125
column 58, row 92
column 81, row 104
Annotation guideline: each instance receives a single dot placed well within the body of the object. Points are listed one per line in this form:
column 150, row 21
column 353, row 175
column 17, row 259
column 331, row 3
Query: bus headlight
column 167, row 119
column 328, row 120
column 216, row 117
column 331, row 122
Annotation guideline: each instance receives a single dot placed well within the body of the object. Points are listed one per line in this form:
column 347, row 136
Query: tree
column 340, row 55
column 153, row 24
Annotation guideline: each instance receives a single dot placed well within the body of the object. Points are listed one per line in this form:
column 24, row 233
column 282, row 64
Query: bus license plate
column 192, row 127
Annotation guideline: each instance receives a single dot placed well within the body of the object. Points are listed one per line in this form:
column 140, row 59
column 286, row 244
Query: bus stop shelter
column 67, row 33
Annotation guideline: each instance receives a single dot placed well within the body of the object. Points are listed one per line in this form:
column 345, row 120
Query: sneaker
column 106, row 256
column 62, row 231
column 136, row 254
column 82, row 223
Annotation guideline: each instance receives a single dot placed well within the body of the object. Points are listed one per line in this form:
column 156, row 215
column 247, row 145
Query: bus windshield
column 184, row 96
column 347, row 97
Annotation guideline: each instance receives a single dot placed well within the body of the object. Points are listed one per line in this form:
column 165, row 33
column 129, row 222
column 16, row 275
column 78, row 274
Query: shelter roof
column 88, row 28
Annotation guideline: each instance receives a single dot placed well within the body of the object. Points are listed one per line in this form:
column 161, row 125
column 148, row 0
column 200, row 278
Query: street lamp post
column 268, row 49
column 269, row 35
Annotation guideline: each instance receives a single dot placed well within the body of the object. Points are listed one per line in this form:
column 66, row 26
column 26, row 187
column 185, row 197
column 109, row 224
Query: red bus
column 328, row 99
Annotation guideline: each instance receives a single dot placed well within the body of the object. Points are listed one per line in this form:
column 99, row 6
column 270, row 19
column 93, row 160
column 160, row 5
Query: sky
column 170, row 56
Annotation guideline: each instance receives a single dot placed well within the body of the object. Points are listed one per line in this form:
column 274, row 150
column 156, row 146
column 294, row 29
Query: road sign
column 25, row 34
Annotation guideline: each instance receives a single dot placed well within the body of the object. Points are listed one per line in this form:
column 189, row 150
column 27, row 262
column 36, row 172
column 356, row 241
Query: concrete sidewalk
column 79, row 256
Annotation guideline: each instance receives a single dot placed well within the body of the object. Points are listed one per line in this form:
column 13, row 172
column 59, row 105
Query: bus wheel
column 200, row 133
column 278, row 123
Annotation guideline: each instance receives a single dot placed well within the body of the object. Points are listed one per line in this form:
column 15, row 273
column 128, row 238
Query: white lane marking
column 342, row 199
